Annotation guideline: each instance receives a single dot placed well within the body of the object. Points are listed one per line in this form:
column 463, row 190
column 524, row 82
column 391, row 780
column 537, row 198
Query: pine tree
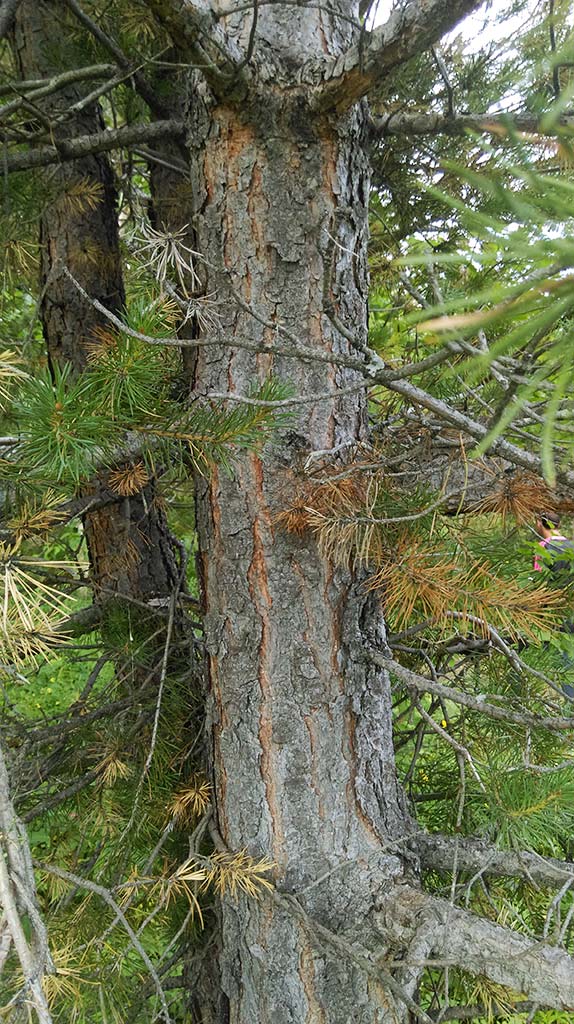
column 220, row 786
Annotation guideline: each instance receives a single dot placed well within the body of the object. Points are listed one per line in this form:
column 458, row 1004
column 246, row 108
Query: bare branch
column 409, row 30
column 459, row 938
column 421, row 684
column 374, row 371
column 17, row 887
column 438, row 852
column 517, row 456
column 146, row 91
column 101, row 142
column 298, row 350
column 39, row 87
column 423, row 122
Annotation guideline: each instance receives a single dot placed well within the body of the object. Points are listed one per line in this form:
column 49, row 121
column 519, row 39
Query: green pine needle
column 61, row 437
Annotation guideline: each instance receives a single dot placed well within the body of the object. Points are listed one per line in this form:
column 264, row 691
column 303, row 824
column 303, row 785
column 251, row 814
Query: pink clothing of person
column 539, row 566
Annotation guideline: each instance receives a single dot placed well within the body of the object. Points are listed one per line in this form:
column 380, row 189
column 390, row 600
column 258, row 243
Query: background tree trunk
column 131, row 550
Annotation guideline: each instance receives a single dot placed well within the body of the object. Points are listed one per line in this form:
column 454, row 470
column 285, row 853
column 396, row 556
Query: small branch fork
column 145, row 89
column 18, row 898
column 421, row 684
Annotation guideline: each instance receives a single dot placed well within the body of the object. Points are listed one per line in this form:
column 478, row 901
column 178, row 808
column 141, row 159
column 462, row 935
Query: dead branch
column 100, row 142
column 422, row 122
column 421, row 684
column 17, row 897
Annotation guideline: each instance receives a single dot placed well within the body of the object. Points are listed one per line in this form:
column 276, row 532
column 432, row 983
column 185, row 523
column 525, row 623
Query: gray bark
column 299, row 723
column 423, row 122
column 7, row 11
column 410, row 29
column 442, row 853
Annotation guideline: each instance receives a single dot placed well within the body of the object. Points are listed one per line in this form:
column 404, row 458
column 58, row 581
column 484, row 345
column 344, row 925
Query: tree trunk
column 78, row 228
column 300, row 724
column 131, row 550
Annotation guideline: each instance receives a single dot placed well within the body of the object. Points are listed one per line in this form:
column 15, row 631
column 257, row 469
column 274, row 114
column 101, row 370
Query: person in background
column 548, row 529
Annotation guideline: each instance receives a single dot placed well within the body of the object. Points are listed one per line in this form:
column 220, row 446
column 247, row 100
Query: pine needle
column 129, row 479
column 235, row 873
column 520, row 496
column 112, row 767
column 83, row 194
column 9, row 371
column 191, row 801
column 38, row 517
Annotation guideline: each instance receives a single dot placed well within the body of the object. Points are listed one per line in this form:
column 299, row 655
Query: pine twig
column 422, row 684
column 17, row 886
column 106, row 896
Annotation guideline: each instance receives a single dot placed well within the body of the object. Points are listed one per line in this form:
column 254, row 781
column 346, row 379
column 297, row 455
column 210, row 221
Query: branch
column 374, row 371
column 511, row 452
column 445, row 853
column 408, row 32
column 421, row 684
column 459, row 938
column 83, row 145
column 484, row 1012
column 345, row 949
column 106, row 896
column 195, row 31
column 145, row 89
column 36, row 88
column 17, row 896
column 417, row 122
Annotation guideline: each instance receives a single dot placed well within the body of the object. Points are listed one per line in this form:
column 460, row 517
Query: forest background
column 163, row 854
